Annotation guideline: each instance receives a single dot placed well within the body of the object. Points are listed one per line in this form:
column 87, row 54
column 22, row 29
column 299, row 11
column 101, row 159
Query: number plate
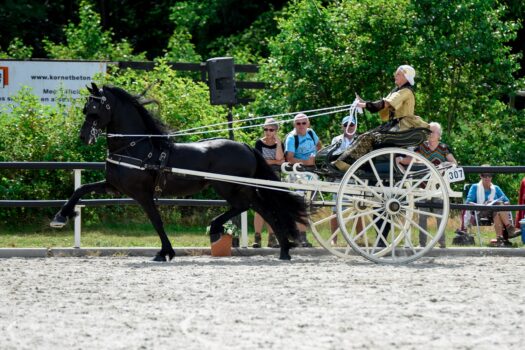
column 455, row 174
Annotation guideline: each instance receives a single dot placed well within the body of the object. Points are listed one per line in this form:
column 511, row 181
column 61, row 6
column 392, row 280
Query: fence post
column 78, row 208
column 244, row 230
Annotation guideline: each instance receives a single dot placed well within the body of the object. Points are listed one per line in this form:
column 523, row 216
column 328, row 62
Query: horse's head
column 98, row 115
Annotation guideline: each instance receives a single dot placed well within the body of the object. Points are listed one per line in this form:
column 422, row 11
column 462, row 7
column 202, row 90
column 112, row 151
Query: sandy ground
column 260, row 302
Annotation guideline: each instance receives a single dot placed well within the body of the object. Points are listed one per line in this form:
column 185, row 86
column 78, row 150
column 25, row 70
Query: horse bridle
column 96, row 132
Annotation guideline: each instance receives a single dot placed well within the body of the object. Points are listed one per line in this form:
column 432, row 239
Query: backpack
column 296, row 138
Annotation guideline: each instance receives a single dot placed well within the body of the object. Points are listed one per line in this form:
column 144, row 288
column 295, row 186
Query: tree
column 87, row 40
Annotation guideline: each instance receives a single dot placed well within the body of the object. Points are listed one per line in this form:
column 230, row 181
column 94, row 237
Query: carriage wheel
column 379, row 203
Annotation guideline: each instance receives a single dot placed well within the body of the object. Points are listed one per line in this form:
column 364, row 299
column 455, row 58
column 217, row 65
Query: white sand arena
column 260, row 302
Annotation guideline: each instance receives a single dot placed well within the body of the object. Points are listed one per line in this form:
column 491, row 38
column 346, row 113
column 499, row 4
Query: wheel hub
column 393, row 206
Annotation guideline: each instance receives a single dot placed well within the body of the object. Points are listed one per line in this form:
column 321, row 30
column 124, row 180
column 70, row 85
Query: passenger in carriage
column 396, row 111
column 486, row 193
column 438, row 153
column 301, row 146
column 272, row 149
column 344, row 140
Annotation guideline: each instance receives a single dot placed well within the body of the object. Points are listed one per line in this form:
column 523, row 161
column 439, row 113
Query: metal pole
column 78, row 219
column 230, row 122
column 244, row 230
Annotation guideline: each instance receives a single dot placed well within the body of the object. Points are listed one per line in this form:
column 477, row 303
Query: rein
column 199, row 131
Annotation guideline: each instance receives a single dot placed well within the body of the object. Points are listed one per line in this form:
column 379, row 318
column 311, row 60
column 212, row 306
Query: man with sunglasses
column 301, row 146
column 486, row 193
column 302, row 143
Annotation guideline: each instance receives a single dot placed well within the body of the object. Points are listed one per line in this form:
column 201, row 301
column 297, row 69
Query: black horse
column 138, row 167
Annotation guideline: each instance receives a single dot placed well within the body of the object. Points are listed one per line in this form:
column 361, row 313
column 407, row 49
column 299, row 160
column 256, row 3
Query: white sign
column 455, row 174
column 46, row 78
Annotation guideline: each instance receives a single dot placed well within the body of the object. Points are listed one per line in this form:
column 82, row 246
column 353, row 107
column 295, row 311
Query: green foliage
column 461, row 51
column 35, row 132
column 249, row 46
column 180, row 48
column 17, row 50
column 88, row 40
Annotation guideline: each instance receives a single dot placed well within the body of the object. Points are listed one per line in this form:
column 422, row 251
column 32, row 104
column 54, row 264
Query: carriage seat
column 405, row 138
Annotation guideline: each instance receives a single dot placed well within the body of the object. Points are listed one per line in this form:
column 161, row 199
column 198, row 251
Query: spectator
column 521, row 201
column 302, row 144
column 272, row 149
column 485, row 192
column 345, row 140
column 396, row 111
column 437, row 153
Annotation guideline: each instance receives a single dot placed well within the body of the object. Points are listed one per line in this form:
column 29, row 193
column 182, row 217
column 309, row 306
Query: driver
column 396, row 111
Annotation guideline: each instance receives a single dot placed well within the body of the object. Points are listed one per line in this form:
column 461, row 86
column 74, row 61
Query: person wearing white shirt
column 345, row 140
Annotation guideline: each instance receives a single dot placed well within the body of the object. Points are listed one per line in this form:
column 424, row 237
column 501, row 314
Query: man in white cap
column 344, row 140
column 348, row 127
column 396, row 111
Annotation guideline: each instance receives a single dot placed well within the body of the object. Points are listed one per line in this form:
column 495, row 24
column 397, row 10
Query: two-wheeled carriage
column 376, row 202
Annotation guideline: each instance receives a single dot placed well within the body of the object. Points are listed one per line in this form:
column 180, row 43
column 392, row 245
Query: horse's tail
column 288, row 208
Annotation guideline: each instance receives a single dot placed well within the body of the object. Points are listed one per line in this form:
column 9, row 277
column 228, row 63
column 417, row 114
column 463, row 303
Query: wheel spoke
column 392, row 169
column 366, row 187
column 376, row 174
column 428, row 234
column 426, row 213
column 407, row 171
column 414, row 187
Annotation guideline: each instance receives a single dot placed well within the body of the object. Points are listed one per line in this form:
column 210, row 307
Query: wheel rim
column 388, row 197
column 322, row 204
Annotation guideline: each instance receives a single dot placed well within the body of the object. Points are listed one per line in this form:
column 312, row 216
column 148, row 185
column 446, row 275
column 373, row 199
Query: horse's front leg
column 154, row 216
column 67, row 211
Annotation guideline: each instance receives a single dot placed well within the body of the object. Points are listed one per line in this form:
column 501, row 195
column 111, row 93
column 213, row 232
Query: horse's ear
column 94, row 89
column 89, row 89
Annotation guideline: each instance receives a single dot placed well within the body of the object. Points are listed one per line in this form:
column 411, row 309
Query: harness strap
column 160, row 182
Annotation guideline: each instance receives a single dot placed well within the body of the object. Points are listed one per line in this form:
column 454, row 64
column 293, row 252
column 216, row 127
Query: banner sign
column 46, row 78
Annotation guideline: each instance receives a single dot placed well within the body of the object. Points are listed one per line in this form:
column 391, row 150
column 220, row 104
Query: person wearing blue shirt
column 486, row 193
column 302, row 143
column 301, row 146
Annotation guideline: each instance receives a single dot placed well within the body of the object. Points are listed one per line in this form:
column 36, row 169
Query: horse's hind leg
column 154, row 216
column 67, row 211
column 274, row 220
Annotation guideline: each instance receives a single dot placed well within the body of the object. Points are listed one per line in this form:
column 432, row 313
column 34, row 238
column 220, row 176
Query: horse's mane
column 153, row 125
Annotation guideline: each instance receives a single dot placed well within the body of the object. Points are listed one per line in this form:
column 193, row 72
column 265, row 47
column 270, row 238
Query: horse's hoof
column 171, row 255
column 285, row 257
column 159, row 258
column 59, row 221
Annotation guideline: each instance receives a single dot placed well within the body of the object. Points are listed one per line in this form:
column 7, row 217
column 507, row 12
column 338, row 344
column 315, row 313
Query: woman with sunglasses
column 272, row 149
column 486, row 193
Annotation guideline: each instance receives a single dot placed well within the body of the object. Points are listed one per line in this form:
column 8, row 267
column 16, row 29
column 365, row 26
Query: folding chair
column 472, row 218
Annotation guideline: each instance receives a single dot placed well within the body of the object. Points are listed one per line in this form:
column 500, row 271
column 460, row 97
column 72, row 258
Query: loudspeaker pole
column 230, row 122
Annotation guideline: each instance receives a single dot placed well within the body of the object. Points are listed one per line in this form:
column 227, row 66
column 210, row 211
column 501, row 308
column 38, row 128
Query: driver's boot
column 340, row 165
